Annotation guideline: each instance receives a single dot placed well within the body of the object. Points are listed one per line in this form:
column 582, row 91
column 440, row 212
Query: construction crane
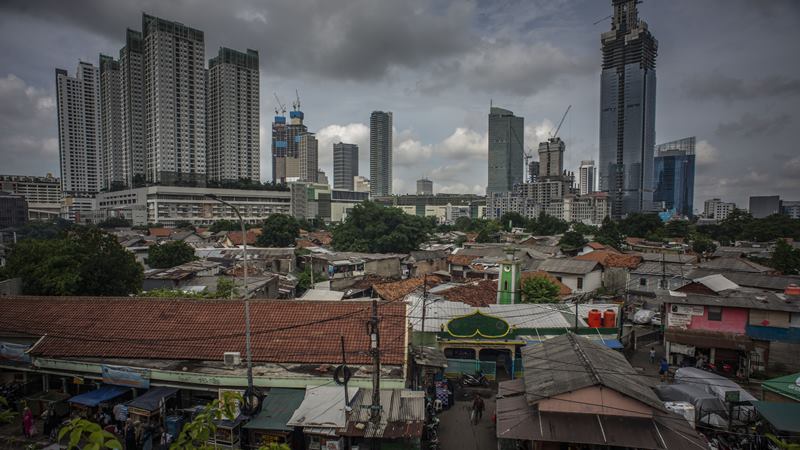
column 296, row 102
column 562, row 122
column 280, row 109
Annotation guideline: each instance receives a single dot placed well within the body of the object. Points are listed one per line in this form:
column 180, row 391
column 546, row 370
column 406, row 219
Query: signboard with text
column 126, row 376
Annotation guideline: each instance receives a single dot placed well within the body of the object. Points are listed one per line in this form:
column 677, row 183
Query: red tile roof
column 159, row 232
column 399, row 289
column 563, row 289
column 236, row 236
column 461, row 260
column 608, row 258
column 177, row 329
column 596, row 245
column 481, row 293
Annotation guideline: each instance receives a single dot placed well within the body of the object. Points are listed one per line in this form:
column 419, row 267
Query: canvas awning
column 277, row 409
column 787, row 386
column 782, row 416
column 151, row 400
column 103, row 394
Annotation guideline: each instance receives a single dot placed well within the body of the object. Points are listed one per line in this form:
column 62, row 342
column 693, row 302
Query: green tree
column 463, row 223
column 85, row 261
column 571, row 241
column 226, row 288
column 489, row 233
column 785, row 258
column 547, row 225
column 584, row 229
column 373, row 228
column 6, row 414
column 279, row 230
column 677, row 228
column 609, row 234
column 511, row 220
column 702, row 244
column 94, row 437
column 115, row 222
column 539, row 289
column 641, row 225
column 184, row 225
column 224, row 225
column 169, row 254
column 304, row 279
column 770, row 228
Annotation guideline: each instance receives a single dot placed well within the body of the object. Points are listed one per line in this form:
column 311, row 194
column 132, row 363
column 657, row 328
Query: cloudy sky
column 728, row 72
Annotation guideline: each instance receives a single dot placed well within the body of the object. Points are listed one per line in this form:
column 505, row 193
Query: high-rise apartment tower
column 506, row 143
column 115, row 169
column 587, row 173
column 380, row 153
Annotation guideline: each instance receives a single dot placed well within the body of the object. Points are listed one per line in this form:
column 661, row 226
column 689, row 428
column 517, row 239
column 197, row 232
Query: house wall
column 428, row 266
column 783, row 357
column 591, row 281
column 734, row 320
column 389, row 267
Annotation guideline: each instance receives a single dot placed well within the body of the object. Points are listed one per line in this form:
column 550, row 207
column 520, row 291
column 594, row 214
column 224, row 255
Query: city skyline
column 439, row 131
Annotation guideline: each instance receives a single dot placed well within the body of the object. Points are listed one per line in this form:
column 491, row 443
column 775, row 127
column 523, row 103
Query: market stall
column 269, row 426
column 88, row 403
column 151, row 407
column 42, row 401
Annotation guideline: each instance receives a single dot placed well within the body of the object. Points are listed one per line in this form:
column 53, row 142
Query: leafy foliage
column 304, row 279
column 785, row 258
column 226, row 288
column 224, row 225
column 514, row 219
column 84, row 261
column 609, row 234
column 169, row 254
column 246, row 183
column 45, row 230
column 279, row 230
column 195, row 434
column 677, row 228
column 546, row 225
column 377, row 229
column 539, row 290
column 95, row 438
column 115, row 222
column 640, row 225
column 489, row 233
column 702, row 244
column 584, row 229
column 6, row 414
column 571, row 240
column 184, row 225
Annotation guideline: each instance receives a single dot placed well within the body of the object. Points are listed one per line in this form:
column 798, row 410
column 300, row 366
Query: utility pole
column 424, row 300
column 375, row 339
column 344, row 376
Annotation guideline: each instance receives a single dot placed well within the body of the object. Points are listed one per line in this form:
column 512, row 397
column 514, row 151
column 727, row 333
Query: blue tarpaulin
column 97, row 396
column 151, row 400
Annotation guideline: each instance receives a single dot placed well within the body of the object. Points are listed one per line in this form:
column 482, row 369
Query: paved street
column 457, row 433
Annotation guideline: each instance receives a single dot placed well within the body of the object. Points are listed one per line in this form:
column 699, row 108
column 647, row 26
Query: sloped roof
column 159, row 232
column 322, row 406
column 563, row 289
column 461, row 260
column 568, row 265
column 567, row 363
column 609, row 258
column 398, row 289
column 481, row 293
column 236, row 236
column 717, row 283
column 201, row 330
column 755, row 280
column 402, row 417
column 735, row 264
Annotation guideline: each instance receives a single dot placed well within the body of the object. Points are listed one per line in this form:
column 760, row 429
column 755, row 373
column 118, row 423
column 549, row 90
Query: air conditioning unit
column 232, row 358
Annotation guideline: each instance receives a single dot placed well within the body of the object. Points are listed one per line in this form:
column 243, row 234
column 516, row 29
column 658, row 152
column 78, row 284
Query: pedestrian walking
column 663, row 369
column 652, row 355
column 27, row 422
column 477, row 409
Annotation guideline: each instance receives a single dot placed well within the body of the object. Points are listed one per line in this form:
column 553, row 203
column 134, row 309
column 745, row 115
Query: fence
column 457, row 367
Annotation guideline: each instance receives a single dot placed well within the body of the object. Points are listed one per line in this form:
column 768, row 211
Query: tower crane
column 296, row 102
column 280, row 109
column 561, row 122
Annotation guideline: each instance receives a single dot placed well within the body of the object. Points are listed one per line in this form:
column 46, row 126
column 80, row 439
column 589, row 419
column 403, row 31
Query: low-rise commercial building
column 13, row 210
column 42, row 193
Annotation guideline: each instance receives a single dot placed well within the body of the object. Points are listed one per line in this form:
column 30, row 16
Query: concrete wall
column 426, row 267
column 12, row 286
column 591, row 281
column 734, row 320
column 389, row 267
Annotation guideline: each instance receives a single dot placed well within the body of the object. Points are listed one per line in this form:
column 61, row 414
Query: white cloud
column 411, row 152
column 465, row 143
column 705, row 153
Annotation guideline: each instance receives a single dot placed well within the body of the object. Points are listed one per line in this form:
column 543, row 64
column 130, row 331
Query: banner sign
column 126, row 376
column 14, row 352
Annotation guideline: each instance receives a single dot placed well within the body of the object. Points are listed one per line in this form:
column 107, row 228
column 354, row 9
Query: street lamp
column 248, row 352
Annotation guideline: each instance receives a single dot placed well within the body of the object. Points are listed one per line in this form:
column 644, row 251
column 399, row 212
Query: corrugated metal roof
column 322, row 406
column 402, row 414
column 567, row 265
column 717, row 283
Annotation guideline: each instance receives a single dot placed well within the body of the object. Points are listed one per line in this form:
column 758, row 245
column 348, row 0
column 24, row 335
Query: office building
column 322, row 178
column 380, row 153
column 361, row 184
column 345, row 165
column 78, row 107
column 308, row 158
column 233, row 149
column 424, row 187
column 587, row 173
column 764, row 205
column 13, row 210
column 673, row 169
column 169, row 205
column 114, row 167
column 43, row 194
column 131, row 66
column 627, row 111
column 717, row 210
column 791, row 208
column 506, row 143
column 174, row 102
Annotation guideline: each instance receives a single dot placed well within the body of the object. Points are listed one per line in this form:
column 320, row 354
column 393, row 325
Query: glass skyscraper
column 506, row 143
column 674, row 176
column 627, row 111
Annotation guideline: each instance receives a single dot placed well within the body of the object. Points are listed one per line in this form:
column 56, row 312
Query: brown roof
column 596, row 245
column 186, row 329
column 611, row 259
column 398, row 289
column 563, row 289
column 461, row 260
column 236, row 236
column 159, row 232
column 479, row 294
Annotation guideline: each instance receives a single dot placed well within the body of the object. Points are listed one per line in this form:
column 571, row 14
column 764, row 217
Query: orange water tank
column 594, row 318
column 609, row 318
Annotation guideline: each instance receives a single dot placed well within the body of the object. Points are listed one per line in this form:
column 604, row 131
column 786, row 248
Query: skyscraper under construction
column 627, row 111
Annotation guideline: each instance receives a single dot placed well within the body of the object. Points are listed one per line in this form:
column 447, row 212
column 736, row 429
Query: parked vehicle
column 476, row 380
column 656, row 320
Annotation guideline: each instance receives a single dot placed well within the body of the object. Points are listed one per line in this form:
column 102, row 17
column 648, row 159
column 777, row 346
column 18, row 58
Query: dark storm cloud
column 339, row 39
column 751, row 125
column 718, row 85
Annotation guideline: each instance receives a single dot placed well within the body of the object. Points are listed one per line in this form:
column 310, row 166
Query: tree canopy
column 224, row 225
column 785, row 258
column 377, row 229
column 546, row 225
column 609, row 234
column 169, row 254
column 539, row 289
column 83, row 261
column 115, row 222
column 641, row 225
column 279, row 230
column 511, row 220
column 571, row 241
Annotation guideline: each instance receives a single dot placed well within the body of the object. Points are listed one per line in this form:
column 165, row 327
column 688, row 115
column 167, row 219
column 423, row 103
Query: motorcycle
column 476, row 380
